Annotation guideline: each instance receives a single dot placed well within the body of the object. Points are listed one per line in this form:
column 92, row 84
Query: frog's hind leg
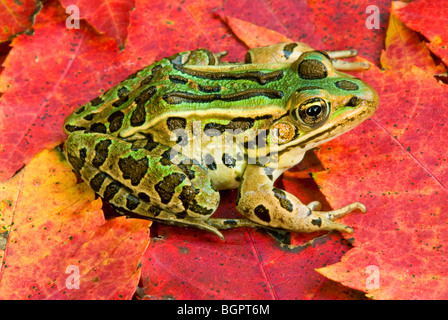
column 170, row 218
column 142, row 177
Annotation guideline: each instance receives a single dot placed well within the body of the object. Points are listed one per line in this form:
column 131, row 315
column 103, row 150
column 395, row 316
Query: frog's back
column 166, row 89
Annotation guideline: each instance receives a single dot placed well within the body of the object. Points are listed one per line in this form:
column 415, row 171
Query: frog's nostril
column 353, row 102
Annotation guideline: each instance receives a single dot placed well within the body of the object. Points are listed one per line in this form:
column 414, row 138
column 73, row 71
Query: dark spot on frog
column 174, row 123
column 97, row 101
column 98, row 127
column 134, row 170
column 111, row 190
column 138, row 116
column 317, row 222
column 71, row 128
column 115, row 121
column 147, row 80
column 230, row 222
column 178, row 79
column 187, row 169
column 89, row 117
column 177, row 125
column 312, row 69
column 154, row 211
column 248, row 58
column 132, row 202
column 346, row 85
column 182, row 137
column 123, row 97
column 262, row 213
column 147, row 143
column 80, row 110
column 187, row 196
column 237, row 125
column 195, row 207
column 289, row 49
column 165, row 158
column 77, row 162
column 209, row 89
column 165, row 188
column 284, row 202
column 353, row 102
column 189, row 202
column 143, row 196
column 122, row 92
column 228, row 160
column 97, row 181
column 209, row 161
column 101, row 152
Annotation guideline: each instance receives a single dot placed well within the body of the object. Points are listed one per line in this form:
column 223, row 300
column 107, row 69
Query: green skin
column 133, row 143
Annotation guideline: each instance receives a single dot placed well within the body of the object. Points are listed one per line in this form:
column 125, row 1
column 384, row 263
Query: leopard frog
column 163, row 142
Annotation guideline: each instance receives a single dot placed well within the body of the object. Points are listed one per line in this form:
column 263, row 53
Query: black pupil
column 313, row 111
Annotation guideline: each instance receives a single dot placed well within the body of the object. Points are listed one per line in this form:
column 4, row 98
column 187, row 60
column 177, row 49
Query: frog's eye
column 313, row 112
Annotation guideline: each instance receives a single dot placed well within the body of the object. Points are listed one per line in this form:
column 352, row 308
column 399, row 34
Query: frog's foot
column 325, row 219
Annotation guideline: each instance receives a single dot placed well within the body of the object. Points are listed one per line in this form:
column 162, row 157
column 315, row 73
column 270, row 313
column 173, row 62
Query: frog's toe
column 341, row 212
column 315, row 206
column 319, row 222
column 341, row 227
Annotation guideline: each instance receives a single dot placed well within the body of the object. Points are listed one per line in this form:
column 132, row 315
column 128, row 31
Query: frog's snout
column 366, row 99
column 370, row 98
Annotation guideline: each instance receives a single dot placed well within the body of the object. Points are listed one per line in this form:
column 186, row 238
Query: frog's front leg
column 261, row 202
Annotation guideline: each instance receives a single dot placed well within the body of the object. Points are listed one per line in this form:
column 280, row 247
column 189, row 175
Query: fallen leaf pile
column 55, row 242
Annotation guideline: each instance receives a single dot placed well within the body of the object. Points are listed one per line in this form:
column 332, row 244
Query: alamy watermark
column 373, row 277
column 211, row 144
column 72, row 281
column 72, row 21
column 373, row 20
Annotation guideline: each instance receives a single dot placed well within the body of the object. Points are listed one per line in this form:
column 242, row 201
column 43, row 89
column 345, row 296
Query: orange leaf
column 54, row 231
column 252, row 35
column 429, row 18
column 404, row 48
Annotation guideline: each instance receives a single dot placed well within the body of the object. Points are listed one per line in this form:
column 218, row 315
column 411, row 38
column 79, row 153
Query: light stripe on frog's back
column 257, row 76
column 177, row 97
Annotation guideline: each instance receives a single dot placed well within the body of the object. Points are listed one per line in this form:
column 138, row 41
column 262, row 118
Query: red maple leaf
column 394, row 163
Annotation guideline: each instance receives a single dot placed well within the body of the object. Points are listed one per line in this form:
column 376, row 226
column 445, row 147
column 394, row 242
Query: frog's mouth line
column 332, row 128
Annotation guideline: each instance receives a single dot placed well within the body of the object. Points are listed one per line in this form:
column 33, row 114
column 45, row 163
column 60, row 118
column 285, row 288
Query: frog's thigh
column 140, row 177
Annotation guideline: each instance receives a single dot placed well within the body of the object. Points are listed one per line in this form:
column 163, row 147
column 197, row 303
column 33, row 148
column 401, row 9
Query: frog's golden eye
column 313, row 112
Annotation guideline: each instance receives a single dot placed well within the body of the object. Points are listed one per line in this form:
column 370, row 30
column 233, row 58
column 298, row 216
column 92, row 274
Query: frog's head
column 327, row 104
